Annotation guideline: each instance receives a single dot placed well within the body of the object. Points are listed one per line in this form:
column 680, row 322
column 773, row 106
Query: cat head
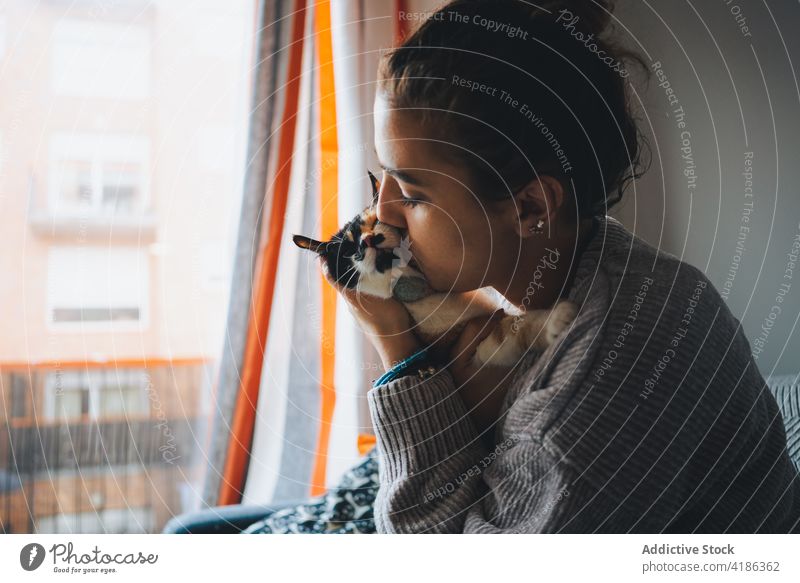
column 361, row 255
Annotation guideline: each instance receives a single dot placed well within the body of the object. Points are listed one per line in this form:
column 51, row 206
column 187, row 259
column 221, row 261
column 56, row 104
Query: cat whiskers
column 358, row 295
column 354, row 272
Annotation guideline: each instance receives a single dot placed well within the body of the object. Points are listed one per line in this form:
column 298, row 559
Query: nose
column 372, row 240
column 388, row 210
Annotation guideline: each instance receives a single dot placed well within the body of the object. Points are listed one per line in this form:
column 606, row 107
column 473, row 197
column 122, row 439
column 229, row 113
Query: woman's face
column 460, row 242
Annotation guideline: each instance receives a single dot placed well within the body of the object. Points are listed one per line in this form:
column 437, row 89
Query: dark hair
column 572, row 117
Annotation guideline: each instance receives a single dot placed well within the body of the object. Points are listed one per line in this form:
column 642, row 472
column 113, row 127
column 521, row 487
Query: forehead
column 402, row 142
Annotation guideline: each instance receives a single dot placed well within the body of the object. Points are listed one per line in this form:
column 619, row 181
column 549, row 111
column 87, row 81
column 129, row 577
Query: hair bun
column 594, row 15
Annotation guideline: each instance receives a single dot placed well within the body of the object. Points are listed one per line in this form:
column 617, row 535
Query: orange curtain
column 329, row 160
column 400, row 24
column 243, row 422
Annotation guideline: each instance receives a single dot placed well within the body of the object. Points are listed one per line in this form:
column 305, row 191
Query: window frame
column 101, row 326
column 92, row 379
column 98, row 150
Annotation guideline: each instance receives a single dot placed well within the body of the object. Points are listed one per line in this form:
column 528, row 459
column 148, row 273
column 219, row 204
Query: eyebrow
column 402, row 175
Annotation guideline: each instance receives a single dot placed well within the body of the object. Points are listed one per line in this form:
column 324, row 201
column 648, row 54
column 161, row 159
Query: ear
column 540, row 199
column 376, row 187
column 310, row 244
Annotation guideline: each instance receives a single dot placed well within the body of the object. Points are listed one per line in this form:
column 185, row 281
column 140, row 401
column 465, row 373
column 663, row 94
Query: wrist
column 418, row 364
column 395, row 348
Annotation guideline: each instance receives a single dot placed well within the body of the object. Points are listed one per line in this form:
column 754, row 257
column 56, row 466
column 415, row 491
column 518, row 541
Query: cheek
column 453, row 254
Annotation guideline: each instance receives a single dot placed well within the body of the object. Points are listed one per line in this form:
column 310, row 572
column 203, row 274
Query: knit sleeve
column 437, row 476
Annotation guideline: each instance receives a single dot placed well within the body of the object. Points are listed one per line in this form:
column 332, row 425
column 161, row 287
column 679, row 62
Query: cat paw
column 560, row 318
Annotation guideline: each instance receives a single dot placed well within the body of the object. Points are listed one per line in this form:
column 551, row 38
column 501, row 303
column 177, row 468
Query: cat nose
column 372, row 240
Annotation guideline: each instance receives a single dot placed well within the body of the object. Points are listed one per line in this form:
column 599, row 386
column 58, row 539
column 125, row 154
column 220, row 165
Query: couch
column 235, row 518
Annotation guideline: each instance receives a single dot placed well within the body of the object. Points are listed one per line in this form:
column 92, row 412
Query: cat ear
column 376, row 187
column 310, row 244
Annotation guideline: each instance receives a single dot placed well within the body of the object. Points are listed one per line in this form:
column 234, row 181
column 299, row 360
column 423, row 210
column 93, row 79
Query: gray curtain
column 269, row 70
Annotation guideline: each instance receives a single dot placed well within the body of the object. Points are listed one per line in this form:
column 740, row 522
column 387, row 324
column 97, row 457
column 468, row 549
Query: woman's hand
column 386, row 321
column 481, row 388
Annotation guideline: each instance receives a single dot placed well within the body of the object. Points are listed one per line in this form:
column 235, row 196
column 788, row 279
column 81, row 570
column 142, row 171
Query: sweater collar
column 608, row 235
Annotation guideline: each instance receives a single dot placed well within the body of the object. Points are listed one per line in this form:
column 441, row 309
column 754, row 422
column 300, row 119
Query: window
column 101, row 59
column 19, row 395
column 123, row 142
column 97, row 393
column 215, row 271
column 216, row 145
column 2, row 36
column 98, row 175
column 90, row 286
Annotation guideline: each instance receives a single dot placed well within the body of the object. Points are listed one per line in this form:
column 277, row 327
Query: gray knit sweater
column 647, row 415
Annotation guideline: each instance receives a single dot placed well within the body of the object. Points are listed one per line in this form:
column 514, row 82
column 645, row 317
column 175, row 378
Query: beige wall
column 731, row 66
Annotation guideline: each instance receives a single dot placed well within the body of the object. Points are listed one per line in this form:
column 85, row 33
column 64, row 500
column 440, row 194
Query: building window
column 94, row 287
column 20, row 395
column 2, row 36
column 97, row 393
column 95, row 175
column 100, row 59
column 215, row 271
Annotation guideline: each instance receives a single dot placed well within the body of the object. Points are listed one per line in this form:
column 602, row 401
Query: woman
column 504, row 132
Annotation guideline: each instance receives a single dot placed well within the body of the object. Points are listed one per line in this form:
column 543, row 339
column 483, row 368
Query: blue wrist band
column 395, row 371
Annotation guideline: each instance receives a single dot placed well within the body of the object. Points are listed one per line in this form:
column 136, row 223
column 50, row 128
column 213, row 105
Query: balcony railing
column 101, row 473
column 56, row 447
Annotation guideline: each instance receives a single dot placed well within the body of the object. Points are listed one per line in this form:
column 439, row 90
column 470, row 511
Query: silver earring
column 538, row 228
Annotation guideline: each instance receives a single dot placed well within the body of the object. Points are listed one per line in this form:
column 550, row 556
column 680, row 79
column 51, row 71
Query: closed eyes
column 401, row 176
column 409, row 202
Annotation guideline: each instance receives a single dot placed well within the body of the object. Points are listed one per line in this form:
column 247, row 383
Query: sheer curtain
column 291, row 416
column 310, row 407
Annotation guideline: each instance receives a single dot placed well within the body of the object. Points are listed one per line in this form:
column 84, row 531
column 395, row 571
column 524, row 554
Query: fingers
column 488, row 326
column 473, row 334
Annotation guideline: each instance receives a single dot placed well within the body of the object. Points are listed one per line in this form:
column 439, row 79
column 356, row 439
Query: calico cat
column 363, row 256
